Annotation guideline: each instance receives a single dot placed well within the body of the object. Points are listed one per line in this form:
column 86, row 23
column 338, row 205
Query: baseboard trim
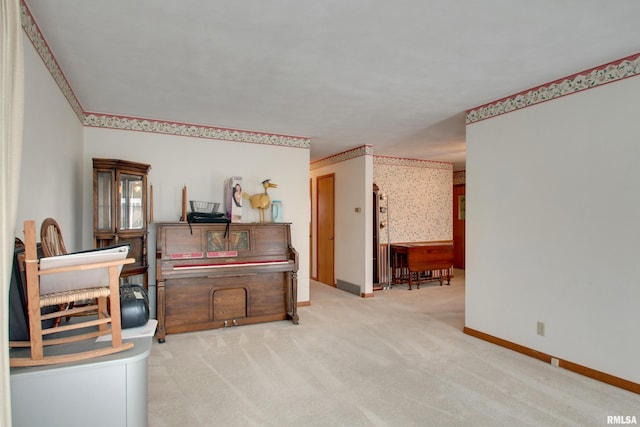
column 303, row 303
column 565, row 364
column 366, row 295
column 508, row 344
column 352, row 288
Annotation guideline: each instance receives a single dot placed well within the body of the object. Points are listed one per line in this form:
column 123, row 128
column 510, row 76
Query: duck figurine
column 261, row 201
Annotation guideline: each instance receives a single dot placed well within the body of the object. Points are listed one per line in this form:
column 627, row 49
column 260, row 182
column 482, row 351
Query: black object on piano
column 201, row 217
column 134, row 306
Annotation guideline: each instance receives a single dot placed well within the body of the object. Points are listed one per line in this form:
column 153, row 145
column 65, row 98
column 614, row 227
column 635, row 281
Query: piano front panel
column 177, row 242
column 198, row 300
column 214, row 241
column 271, row 239
column 229, row 304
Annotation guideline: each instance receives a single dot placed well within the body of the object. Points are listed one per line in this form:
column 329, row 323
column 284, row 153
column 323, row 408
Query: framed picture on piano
column 216, row 241
column 239, row 240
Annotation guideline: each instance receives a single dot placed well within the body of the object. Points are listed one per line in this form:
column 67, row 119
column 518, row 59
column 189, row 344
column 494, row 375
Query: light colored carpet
column 397, row 359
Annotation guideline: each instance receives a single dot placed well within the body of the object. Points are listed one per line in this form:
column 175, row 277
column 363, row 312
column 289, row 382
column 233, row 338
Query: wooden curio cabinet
column 120, row 212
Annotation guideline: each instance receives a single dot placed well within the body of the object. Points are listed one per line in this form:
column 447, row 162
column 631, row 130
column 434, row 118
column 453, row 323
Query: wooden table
column 417, row 257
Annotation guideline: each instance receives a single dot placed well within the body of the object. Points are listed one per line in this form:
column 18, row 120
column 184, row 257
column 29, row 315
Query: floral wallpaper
column 418, row 198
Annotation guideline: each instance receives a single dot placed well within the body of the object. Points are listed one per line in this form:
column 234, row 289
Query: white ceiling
column 397, row 75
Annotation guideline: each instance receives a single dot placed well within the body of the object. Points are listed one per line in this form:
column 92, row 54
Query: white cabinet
column 109, row 391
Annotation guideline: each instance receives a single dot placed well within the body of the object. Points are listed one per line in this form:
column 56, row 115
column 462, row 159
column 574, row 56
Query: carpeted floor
column 397, row 359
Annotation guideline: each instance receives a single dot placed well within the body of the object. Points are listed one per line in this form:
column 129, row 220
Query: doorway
column 325, row 205
column 459, row 208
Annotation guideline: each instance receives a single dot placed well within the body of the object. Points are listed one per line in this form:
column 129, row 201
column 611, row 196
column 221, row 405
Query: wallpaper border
column 362, row 150
column 33, row 32
column 587, row 79
column 401, row 161
column 111, row 121
column 459, row 177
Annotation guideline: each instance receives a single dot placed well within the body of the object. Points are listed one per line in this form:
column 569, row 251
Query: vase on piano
column 276, row 211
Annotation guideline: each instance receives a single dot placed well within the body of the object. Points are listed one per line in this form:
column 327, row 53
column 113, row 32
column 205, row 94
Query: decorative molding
column 363, row 150
column 588, row 79
column 34, row 34
column 618, row 70
column 415, row 163
column 570, row 366
column 199, row 131
column 36, row 37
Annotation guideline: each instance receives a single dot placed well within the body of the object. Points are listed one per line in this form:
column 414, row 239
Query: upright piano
column 217, row 275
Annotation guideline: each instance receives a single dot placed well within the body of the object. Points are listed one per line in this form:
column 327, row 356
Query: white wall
column 553, row 230
column 56, row 176
column 353, row 230
column 203, row 165
column 51, row 171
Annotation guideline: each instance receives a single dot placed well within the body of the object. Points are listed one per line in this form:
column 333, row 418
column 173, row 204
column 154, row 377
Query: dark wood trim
column 304, row 303
column 570, row 366
column 508, row 344
column 366, row 295
column 600, row 376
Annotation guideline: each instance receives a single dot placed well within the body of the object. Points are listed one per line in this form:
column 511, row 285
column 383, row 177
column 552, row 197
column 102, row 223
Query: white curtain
column 11, row 117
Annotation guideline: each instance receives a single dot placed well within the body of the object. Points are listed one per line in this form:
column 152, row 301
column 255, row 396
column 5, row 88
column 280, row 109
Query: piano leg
column 294, row 318
column 292, row 312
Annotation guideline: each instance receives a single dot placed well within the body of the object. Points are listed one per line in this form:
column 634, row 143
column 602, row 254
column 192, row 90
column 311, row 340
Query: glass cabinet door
column 131, row 199
column 119, row 215
column 104, row 202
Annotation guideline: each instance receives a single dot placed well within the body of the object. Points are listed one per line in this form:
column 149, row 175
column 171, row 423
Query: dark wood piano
column 432, row 259
column 217, row 275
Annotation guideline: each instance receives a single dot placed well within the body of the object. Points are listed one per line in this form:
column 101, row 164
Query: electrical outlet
column 541, row 328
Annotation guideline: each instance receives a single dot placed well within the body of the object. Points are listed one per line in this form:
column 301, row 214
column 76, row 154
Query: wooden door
column 458, row 225
column 325, row 205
